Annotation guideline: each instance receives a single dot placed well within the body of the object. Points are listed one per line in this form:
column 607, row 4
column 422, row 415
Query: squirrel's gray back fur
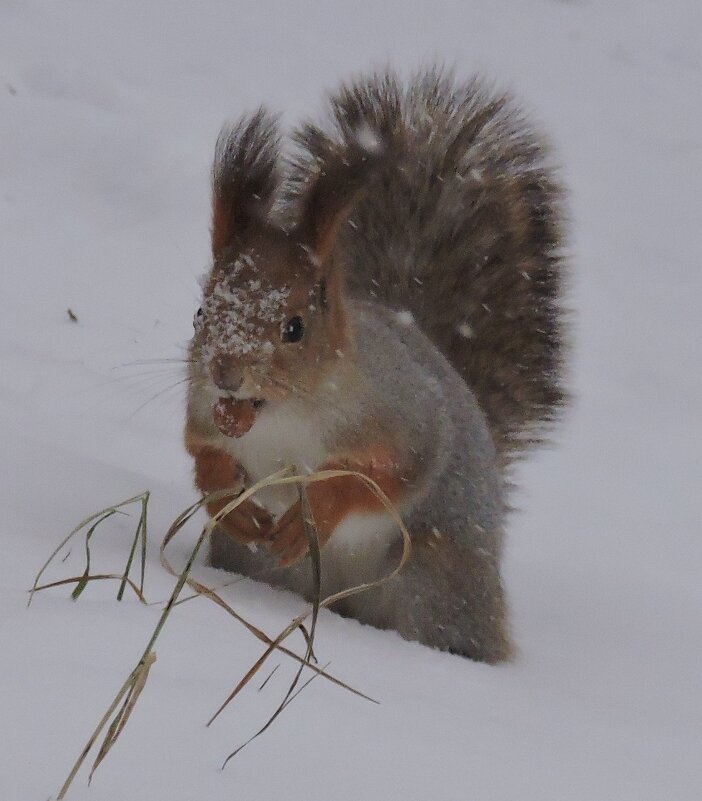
column 463, row 229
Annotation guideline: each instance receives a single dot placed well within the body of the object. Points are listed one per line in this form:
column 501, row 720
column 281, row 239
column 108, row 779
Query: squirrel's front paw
column 288, row 540
column 248, row 523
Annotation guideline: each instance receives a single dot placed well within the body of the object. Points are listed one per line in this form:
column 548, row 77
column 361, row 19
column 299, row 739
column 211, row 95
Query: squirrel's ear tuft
column 331, row 178
column 244, row 176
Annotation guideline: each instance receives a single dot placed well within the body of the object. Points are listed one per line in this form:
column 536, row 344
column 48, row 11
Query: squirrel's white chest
column 280, row 437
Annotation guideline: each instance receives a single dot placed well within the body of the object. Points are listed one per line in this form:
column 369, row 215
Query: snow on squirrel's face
column 267, row 327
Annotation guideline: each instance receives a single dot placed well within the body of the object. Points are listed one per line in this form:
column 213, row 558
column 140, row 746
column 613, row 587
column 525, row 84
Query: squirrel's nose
column 226, row 375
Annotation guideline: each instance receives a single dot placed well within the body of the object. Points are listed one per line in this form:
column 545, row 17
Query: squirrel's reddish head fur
column 273, row 314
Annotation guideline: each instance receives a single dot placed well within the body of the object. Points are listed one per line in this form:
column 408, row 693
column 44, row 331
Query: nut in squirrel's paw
column 234, row 417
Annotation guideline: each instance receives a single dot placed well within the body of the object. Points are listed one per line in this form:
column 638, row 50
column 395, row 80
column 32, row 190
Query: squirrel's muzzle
column 226, row 375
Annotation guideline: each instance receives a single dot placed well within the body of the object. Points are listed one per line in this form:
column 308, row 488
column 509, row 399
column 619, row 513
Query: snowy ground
column 108, row 115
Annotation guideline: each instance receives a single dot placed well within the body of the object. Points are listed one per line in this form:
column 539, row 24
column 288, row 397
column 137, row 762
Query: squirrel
column 388, row 302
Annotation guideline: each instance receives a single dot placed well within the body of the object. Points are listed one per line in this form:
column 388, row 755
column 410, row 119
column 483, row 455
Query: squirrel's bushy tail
column 463, row 228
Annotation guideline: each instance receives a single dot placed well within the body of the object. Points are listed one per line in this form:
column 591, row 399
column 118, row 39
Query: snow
column 233, row 315
column 368, row 140
column 404, row 317
column 108, row 117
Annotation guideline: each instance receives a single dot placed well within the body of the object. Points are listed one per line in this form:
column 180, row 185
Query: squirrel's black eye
column 199, row 314
column 293, row 329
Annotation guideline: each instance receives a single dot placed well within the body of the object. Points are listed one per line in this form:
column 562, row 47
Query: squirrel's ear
column 330, row 182
column 244, row 177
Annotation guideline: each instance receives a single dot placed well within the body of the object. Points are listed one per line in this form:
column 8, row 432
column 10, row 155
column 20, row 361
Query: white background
column 108, row 116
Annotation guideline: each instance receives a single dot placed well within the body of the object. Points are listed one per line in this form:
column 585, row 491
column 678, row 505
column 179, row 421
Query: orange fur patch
column 336, row 498
column 216, row 470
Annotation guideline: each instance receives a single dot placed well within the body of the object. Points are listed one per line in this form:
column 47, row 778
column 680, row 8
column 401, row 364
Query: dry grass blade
column 315, row 558
column 140, row 675
column 308, row 641
column 141, row 669
column 94, row 577
column 269, row 677
column 286, row 476
column 289, row 698
column 313, row 543
column 283, row 476
column 103, row 514
column 82, row 584
column 246, row 678
column 132, row 688
column 139, row 535
column 310, row 528
column 324, row 475
column 300, row 689
column 202, row 590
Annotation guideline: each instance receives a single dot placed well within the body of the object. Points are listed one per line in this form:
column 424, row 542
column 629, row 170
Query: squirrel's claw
column 288, row 540
column 248, row 523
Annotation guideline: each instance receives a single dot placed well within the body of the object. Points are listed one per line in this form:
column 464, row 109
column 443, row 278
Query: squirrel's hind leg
column 447, row 596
